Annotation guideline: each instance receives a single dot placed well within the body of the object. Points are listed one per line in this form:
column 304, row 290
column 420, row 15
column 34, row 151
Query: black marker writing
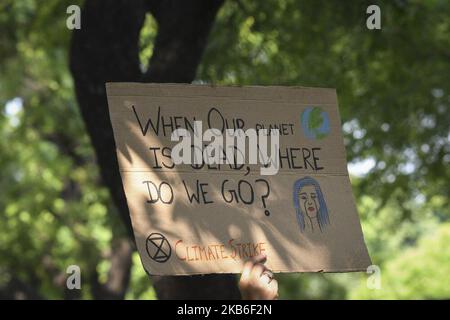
column 163, row 192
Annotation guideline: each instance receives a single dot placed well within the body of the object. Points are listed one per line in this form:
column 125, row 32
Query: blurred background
column 58, row 208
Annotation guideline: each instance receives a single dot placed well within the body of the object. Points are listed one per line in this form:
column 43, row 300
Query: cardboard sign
column 209, row 218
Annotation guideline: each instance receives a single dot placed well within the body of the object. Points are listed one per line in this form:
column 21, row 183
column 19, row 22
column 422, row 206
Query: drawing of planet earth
column 315, row 123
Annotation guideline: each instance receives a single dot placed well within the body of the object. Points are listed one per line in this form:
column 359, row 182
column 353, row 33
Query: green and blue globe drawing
column 315, row 123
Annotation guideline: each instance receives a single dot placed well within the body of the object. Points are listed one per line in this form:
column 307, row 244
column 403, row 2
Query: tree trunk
column 106, row 49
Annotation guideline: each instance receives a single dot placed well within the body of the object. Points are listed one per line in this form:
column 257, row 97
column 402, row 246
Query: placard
column 200, row 203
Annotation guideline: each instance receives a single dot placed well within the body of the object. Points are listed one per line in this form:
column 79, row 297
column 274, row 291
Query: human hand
column 257, row 282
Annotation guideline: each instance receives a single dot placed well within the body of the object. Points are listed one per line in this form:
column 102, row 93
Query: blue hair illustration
column 322, row 216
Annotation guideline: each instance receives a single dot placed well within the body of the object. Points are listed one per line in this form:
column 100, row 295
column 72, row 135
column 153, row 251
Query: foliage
column 393, row 91
column 54, row 210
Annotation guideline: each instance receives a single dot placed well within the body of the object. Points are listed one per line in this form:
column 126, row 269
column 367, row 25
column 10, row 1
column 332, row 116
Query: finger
column 257, row 271
column 265, row 279
column 246, row 280
column 248, row 266
column 261, row 258
column 267, row 274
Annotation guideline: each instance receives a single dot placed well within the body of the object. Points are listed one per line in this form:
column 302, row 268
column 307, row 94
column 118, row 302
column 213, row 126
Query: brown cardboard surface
column 179, row 235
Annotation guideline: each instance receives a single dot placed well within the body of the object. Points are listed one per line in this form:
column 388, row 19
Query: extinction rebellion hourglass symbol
column 158, row 248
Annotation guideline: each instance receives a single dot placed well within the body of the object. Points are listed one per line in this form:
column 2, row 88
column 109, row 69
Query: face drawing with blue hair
column 311, row 209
